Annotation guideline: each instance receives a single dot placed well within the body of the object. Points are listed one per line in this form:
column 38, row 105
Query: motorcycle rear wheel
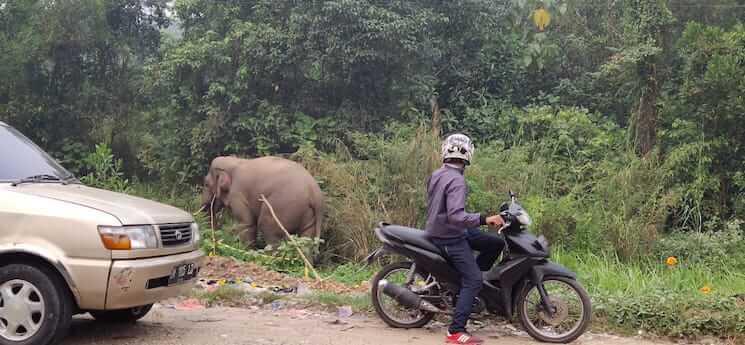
column 542, row 333
column 382, row 302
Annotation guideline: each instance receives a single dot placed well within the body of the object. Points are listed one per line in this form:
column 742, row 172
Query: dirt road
column 228, row 326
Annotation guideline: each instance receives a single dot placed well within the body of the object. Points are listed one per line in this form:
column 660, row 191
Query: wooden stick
column 300, row 251
column 199, row 210
column 212, row 224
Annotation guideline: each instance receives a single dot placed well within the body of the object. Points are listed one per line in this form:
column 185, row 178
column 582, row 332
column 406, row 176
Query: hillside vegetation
column 619, row 123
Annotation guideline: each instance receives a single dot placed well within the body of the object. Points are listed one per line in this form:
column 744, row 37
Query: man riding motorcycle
column 456, row 232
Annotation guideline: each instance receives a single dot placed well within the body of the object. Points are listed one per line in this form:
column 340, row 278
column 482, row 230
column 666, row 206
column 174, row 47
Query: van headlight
column 128, row 237
column 195, row 235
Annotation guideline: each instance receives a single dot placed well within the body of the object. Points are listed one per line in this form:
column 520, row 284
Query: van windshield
column 20, row 158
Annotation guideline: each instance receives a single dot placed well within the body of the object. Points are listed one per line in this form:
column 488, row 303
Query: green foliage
column 284, row 258
column 105, row 170
column 672, row 314
column 704, row 119
column 343, row 86
column 714, row 248
column 350, row 273
column 253, row 77
column 650, row 296
column 357, row 302
column 573, row 172
column 72, row 70
column 389, row 186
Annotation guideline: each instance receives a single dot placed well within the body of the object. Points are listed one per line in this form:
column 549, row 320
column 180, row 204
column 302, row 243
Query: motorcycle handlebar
column 504, row 226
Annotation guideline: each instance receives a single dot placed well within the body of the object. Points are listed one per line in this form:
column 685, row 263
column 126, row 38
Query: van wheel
column 35, row 306
column 128, row 315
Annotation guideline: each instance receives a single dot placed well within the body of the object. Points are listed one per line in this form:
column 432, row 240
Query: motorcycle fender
column 549, row 269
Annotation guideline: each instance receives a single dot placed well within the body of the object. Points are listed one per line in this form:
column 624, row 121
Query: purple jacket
column 446, row 204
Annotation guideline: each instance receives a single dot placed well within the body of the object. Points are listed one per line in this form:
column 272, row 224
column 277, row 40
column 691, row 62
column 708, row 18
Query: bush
column 105, row 170
column 390, row 186
column 684, row 299
column 572, row 172
column 714, row 248
column 284, row 258
column 673, row 314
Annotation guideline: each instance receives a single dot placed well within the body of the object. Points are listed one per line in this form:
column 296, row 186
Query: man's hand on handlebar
column 495, row 221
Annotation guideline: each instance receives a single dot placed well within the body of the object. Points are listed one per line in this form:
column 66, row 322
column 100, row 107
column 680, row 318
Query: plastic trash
column 344, row 312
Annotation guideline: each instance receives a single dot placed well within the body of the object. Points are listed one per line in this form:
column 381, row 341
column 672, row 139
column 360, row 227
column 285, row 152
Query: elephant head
column 217, row 183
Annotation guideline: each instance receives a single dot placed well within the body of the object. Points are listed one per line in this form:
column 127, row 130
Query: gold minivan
column 68, row 249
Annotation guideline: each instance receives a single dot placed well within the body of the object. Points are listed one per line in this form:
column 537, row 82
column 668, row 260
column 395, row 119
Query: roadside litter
column 189, row 304
column 218, row 269
column 247, row 285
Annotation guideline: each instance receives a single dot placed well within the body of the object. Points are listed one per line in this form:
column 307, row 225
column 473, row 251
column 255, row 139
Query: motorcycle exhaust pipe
column 407, row 298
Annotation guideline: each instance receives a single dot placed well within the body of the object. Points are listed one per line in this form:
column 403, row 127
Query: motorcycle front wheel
column 392, row 313
column 571, row 310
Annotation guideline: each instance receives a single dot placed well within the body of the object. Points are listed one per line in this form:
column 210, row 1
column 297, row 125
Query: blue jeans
column 459, row 252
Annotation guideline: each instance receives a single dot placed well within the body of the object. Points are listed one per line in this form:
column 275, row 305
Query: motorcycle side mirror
column 513, row 196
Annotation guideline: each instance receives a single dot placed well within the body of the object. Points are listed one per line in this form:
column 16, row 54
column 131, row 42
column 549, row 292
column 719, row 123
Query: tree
column 704, row 138
column 259, row 77
column 645, row 22
column 73, row 70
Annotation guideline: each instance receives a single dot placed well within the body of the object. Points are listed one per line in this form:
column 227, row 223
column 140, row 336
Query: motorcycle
column 550, row 303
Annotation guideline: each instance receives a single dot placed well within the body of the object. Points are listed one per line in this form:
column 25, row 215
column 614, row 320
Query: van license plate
column 182, row 273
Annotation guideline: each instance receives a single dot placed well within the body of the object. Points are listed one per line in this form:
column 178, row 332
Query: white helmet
column 457, row 146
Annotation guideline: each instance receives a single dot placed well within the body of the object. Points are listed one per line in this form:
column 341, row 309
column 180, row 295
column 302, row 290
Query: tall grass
column 605, row 272
column 387, row 186
column 681, row 300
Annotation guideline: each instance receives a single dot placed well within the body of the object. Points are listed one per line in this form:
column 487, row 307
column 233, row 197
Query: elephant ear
column 223, row 184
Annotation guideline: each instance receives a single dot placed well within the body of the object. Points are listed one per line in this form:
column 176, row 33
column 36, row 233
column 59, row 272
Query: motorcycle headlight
column 195, row 235
column 524, row 219
column 128, row 237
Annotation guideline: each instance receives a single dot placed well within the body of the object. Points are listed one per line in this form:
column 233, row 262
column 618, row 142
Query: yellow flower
column 541, row 18
column 705, row 290
column 221, row 282
column 671, row 261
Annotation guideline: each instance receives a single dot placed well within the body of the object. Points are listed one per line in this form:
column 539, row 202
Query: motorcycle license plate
column 182, row 273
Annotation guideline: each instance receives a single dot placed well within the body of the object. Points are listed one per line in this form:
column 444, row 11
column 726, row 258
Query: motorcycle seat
column 411, row 236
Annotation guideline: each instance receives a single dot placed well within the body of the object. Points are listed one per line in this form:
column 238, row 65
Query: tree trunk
column 724, row 197
column 646, row 121
column 436, row 116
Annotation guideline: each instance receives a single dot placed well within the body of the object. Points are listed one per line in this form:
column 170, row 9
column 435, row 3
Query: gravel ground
column 213, row 326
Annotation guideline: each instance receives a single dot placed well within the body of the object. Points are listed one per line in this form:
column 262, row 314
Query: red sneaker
column 462, row 338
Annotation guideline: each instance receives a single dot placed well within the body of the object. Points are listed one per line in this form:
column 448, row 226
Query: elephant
column 237, row 184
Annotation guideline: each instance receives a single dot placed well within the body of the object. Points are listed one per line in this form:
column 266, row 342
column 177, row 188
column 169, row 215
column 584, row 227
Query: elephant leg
column 247, row 235
column 246, row 227
column 309, row 224
column 273, row 233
